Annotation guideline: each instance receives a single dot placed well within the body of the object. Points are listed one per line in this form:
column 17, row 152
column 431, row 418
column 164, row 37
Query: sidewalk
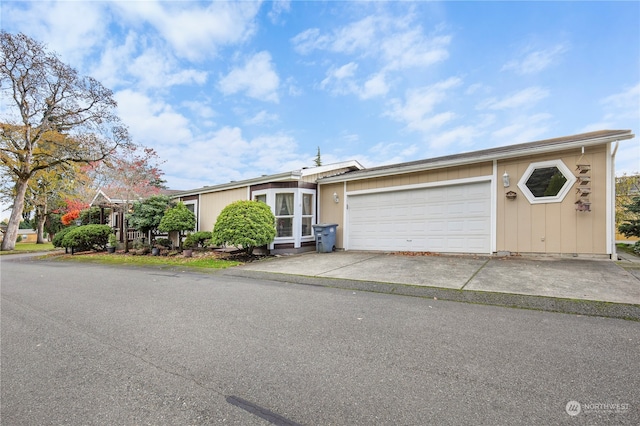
column 589, row 287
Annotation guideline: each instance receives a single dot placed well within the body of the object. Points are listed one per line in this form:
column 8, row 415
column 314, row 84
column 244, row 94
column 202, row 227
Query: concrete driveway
column 556, row 278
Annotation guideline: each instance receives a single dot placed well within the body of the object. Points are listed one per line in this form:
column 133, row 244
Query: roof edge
column 491, row 154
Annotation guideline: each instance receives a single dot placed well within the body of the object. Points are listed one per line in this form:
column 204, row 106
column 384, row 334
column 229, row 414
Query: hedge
column 87, row 237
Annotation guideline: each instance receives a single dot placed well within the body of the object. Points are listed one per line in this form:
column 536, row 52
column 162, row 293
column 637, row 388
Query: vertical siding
column 429, row 176
column 211, row 205
column 522, row 226
column 331, row 212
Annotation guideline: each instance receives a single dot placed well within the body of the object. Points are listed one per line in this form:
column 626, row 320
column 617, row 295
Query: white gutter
column 472, row 159
column 611, row 201
column 287, row 176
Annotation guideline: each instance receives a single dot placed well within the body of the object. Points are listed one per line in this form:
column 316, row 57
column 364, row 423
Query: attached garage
column 448, row 219
column 553, row 197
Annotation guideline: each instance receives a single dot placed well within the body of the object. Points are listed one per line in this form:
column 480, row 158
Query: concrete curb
column 544, row 303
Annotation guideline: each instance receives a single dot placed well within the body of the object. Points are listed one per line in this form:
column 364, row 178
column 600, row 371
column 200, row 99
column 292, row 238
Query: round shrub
column 57, row 239
column 87, row 237
column 246, row 225
column 196, row 239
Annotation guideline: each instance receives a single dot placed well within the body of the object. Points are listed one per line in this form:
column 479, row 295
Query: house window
column 191, row 205
column 546, row 182
column 307, row 214
column 284, row 214
column 294, row 210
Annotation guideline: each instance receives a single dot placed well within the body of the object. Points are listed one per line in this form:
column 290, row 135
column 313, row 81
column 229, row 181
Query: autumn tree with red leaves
column 131, row 175
column 51, row 116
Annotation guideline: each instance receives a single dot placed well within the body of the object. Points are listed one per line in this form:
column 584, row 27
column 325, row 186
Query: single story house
column 550, row 197
column 292, row 196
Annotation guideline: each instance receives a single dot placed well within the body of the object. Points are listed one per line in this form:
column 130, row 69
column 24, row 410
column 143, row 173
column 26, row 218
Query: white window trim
column 195, row 211
column 571, row 179
column 297, row 237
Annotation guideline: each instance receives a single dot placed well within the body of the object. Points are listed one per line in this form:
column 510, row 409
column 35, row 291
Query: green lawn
column 29, row 248
column 627, row 248
column 121, row 259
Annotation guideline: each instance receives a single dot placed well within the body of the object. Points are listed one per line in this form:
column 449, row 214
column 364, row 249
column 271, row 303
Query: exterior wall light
column 505, row 180
column 336, row 199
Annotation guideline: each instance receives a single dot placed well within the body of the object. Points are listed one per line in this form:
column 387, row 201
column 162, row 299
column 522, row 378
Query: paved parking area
column 581, row 279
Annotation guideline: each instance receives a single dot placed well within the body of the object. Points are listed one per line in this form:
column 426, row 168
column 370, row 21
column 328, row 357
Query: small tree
column 148, row 214
column 246, row 225
column 178, row 219
column 631, row 227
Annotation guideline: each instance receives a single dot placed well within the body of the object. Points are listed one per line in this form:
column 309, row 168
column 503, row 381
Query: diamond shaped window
column 546, row 182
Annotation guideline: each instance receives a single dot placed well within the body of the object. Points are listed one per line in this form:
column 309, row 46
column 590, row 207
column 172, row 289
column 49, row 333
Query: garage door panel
column 445, row 219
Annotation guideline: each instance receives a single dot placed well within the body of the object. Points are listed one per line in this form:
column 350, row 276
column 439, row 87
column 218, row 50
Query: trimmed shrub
column 246, row 225
column 178, row 219
column 164, row 242
column 87, row 237
column 196, row 239
column 57, row 239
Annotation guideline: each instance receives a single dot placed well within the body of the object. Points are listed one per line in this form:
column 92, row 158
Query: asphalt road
column 97, row 345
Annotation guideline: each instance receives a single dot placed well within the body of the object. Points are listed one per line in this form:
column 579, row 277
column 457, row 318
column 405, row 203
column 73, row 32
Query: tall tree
column 50, row 116
column 318, row 159
column 128, row 176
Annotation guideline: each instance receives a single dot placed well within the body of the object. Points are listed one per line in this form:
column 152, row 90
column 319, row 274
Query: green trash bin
column 325, row 237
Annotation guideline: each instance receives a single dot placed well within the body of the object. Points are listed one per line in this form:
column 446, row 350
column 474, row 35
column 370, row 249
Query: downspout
column 611, row 202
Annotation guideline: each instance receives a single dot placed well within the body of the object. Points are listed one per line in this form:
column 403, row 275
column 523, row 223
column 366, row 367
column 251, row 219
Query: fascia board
column 544, row 149
column 288, row 176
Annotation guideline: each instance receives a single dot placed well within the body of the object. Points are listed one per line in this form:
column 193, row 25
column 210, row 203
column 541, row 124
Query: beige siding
column 553, row 228
column 211, row 205
column 430, row 176
column 330, row 211
column 314, row 177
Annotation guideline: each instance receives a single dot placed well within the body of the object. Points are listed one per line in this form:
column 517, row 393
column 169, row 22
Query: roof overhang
column 291, row 176
column 501, row 153
column 281, row 177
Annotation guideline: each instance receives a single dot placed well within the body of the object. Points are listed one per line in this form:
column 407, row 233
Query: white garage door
column 453, row 219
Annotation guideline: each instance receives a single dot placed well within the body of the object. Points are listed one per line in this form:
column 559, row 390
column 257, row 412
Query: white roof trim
column 482, row 156
column 286, row 176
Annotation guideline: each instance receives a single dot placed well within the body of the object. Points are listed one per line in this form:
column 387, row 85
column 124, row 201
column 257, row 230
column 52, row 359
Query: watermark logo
column 573, row 408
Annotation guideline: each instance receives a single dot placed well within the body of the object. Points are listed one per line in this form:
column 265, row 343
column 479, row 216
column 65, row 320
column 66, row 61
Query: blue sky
column 227, row 91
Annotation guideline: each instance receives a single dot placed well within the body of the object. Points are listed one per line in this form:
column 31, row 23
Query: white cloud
column 459, row 136
column 200, row 109
column 523, row 129
column 524, row 98
column 195, row 31
column 620, row 110
column 256, row 78
column 309, row 40
column 262, row 118
column 391, row 153
column 418, row 106
column 71, row 29
column 392, row 43
column 155, row 69
column 413, row 49
column 628, row 100
column 340, row 80
column 375, row 86
column 278, row 8
column 536, row 61
column 152, row 123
